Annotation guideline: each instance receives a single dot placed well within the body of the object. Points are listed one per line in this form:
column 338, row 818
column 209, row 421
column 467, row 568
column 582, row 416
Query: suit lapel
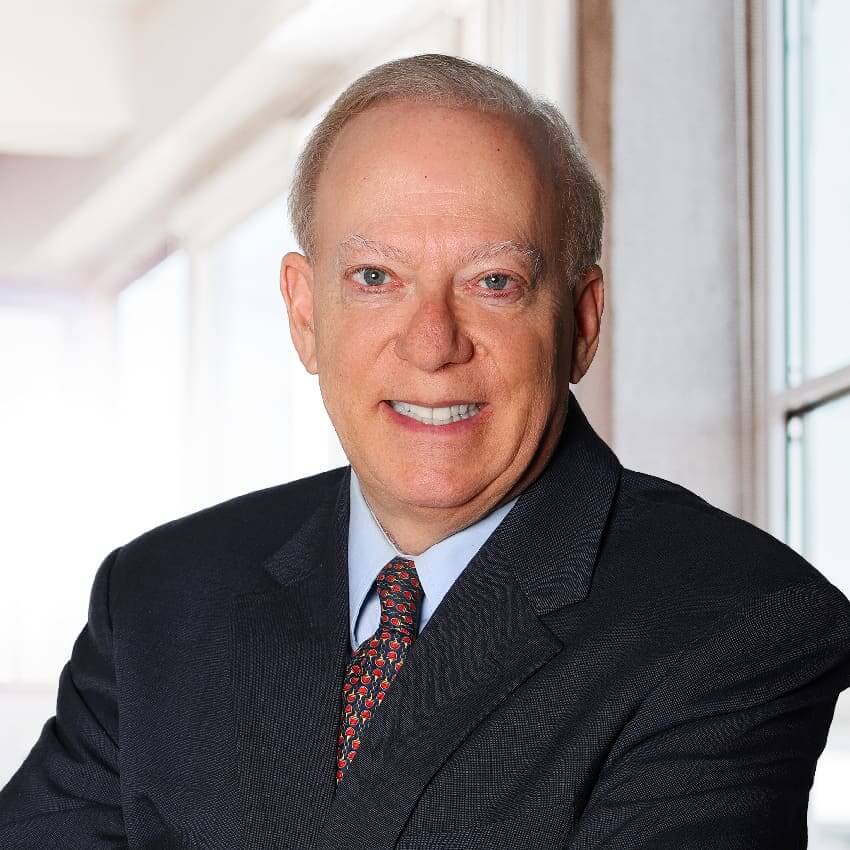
column 290, row 647
column 484, row 639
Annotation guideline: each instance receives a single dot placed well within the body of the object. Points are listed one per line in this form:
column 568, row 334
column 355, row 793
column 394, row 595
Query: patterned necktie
column 374, row 665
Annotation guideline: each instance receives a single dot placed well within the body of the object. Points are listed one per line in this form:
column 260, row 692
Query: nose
column 433, row 337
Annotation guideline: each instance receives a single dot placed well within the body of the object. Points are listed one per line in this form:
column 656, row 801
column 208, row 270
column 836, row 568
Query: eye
column 495, row 281
column 369, row 276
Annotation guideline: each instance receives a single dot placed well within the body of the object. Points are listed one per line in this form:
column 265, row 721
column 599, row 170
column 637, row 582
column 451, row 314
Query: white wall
column 673, row 279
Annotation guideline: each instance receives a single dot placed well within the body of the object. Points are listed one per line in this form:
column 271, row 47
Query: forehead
column 413, row 171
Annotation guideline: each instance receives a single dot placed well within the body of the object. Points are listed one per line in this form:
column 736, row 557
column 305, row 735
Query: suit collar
column 552, row 535
column 438, row 567
column 317, row 539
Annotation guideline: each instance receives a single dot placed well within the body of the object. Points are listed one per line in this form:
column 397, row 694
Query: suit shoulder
column 712, row 548
column 225, row 542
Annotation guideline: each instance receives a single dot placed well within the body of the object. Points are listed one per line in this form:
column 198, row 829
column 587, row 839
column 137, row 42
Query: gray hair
column 450, row 81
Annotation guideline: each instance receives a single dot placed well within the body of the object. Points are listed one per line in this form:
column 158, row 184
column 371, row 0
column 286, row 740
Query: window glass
column 816, row 184
column 818, row 131
column 35, row 421
column 265, row 410
column 825, row 461
column 152, row 344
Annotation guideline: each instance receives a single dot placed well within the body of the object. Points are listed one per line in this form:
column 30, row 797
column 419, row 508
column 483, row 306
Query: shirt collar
column 370, row 549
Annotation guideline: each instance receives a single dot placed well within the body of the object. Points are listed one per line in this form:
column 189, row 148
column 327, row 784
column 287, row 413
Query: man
column 485, row 632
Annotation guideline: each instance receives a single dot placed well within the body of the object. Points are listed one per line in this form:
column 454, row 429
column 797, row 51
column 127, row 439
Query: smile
column 436, row 415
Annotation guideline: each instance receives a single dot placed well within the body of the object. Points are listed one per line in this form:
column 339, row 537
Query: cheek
column 339, row 335
column 525, row 358
column 348, row 354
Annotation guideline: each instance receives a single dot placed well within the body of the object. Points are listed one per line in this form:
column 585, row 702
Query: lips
column 444, row 414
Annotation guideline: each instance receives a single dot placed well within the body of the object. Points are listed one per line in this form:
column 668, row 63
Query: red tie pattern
column 374, row 665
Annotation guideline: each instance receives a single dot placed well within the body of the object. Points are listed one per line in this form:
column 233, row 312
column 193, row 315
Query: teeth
column 436, row 415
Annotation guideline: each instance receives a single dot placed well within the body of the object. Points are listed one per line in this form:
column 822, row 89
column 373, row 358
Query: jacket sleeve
column 67, row 793
column 722, row 753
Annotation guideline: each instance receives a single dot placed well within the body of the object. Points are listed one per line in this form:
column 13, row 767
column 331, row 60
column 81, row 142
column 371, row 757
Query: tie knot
column 400, row 594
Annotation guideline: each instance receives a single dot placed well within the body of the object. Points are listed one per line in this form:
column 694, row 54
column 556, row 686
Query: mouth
column 442, row 415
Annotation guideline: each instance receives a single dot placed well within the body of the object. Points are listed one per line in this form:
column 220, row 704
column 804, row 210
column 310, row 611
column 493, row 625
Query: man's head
column 451, row 229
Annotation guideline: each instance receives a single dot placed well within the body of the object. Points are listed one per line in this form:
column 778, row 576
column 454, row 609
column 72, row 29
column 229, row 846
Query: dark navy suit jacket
column 622, row 665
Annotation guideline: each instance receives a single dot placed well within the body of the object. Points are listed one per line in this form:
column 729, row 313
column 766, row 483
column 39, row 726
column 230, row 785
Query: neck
column 414, row 530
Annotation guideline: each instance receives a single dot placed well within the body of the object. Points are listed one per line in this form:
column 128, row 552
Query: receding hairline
column 443, row 80
column 529, row 134
column 534, row 249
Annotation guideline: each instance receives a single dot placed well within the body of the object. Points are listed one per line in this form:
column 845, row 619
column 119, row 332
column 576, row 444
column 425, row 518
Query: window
column 152, row 323
column 211, row 397
column 55, row 466
column 805, row 296
column 258, row 416
column 816, row 389
column 34, row 405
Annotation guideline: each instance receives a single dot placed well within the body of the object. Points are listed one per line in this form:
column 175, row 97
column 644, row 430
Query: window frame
column 776, row 273
column 776, row 400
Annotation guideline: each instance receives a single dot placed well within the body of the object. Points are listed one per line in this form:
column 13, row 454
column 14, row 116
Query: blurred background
column 146, row 370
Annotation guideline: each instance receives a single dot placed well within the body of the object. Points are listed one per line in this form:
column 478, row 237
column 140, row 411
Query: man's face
column 443, row 359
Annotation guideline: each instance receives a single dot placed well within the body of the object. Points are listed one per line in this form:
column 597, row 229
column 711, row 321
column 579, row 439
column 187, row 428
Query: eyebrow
column 532, row 255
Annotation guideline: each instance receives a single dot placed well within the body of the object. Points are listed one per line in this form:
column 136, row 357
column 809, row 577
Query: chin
column 435, row 490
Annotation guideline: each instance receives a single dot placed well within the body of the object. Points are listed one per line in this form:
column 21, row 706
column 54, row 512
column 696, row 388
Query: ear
column 588, row 305
column 296, row 286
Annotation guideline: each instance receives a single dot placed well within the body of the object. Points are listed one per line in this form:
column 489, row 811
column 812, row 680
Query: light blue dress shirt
column 369, row 550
